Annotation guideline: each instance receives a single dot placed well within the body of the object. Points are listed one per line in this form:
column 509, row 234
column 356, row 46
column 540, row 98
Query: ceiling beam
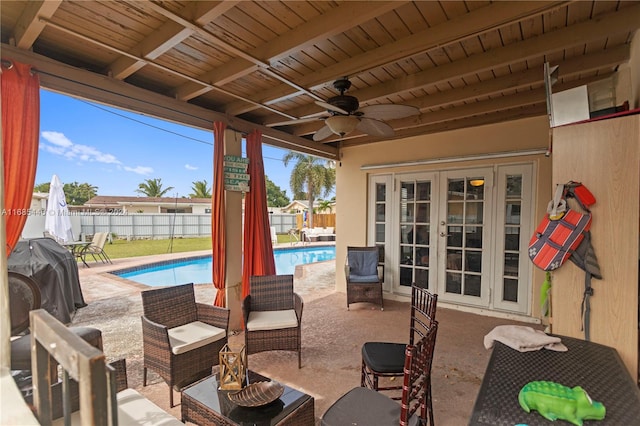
column 29, row 26
column 480, row 20
column 166, row 37
column 614, row 23
column 480, row 120
column 490, row 106
column 99, row 88
column 573, row 67
column 332, row 22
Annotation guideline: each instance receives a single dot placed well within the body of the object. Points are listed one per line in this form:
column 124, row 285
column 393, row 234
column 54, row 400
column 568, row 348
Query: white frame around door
column 494, row 231
column 445, row 223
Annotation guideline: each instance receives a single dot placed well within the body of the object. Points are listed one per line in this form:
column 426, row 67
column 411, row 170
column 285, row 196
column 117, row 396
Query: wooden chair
column 385, row 359
column 363, row 279
column 181, row 338
column 272, row 315
column 364, row 406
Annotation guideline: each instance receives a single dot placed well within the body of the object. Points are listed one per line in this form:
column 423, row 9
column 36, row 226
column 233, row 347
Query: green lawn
column 123, row 248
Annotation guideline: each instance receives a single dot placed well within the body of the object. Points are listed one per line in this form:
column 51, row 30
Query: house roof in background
column 112, row 200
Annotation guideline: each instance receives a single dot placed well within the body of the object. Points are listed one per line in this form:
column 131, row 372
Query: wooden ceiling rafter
column 448, row 32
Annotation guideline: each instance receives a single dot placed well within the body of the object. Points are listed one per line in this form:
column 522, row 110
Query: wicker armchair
column 364, row 406
column 272, row 315
column 181, row 338
column 363, row 278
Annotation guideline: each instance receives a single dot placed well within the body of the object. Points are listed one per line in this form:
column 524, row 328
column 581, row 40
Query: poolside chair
column 181, row 338
column 385, row 359
column 364, row 283
column 364, row 406
column 272, row 315
column 96, row 248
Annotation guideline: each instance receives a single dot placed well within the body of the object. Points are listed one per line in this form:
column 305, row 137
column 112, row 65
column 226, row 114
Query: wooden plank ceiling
column 264, row 64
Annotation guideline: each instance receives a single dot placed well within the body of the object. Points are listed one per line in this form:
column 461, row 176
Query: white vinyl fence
column 160, row 226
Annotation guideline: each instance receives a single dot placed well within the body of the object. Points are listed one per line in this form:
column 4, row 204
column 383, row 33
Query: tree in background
column 75, row 193
column 152, row 188
column 276, row 197
column 200, row 189
column 324, row 205
column 42, row 187
column 311, row 175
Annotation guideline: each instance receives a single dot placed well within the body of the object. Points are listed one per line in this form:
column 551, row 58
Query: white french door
column 458, row 233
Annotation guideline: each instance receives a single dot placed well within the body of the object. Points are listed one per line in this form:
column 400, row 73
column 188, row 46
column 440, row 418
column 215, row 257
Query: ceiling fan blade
column 389, row 111
column 374, row 127
column 322, row 133
column 330, row 107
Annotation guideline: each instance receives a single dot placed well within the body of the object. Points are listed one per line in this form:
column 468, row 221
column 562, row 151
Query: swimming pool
column 198, row 269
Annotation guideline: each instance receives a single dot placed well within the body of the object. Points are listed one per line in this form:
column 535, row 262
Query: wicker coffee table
column 203, row 404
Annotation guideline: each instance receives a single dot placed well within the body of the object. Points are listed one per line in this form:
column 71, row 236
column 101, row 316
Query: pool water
column 198, row 270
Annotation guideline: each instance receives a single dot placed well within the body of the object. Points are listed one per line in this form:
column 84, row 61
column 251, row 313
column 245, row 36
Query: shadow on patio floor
column 331, row 341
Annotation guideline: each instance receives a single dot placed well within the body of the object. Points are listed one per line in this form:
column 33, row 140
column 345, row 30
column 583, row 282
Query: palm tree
column 200, row 189
column 324, row 205
column 311, row 175
column 152, row 188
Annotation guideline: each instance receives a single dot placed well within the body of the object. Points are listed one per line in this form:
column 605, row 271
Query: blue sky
column 116, row 150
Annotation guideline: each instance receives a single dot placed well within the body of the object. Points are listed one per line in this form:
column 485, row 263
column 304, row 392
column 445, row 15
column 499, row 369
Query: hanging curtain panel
column 258, row 249
column 20, row 90
column 218, row 233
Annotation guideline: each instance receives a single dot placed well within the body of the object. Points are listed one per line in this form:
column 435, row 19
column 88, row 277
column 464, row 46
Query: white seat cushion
column 133, row 409
column 194, row 335
column 272, row 320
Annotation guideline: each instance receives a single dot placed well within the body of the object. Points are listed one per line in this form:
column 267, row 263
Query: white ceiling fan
column 345, row 115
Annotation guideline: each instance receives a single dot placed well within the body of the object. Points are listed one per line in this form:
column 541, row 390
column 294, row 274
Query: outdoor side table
column 204, row 404
column 596, row 368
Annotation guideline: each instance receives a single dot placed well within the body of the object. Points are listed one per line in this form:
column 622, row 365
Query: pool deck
column 331, row 338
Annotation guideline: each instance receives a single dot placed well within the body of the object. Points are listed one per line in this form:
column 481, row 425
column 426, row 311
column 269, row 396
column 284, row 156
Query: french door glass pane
column 512, row 224
column 465, row 220
column 415, row 214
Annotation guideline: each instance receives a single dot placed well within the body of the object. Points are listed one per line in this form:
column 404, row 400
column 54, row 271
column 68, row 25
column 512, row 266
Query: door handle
column 442, row 234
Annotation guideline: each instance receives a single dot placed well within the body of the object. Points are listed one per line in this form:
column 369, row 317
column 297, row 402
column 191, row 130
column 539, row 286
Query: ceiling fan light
column 476, row 182
column 342, row 124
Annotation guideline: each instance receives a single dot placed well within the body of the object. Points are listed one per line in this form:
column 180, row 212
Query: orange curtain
column 218, row 222
column 20, row 128
column 258, row 251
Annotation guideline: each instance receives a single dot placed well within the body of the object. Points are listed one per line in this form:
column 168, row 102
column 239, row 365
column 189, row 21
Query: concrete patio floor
column 331, row 339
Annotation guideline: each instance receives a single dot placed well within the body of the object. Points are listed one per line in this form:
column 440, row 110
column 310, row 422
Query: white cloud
column 57, row 138
column 141, row 170
column 58, row 144
column 190, row 167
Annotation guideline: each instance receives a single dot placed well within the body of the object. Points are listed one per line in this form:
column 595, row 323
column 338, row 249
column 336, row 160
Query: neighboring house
column 299, row 206
column 39, row 201
column 131, row 205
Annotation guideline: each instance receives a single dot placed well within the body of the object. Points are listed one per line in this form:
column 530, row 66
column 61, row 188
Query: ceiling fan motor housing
column 346, row 102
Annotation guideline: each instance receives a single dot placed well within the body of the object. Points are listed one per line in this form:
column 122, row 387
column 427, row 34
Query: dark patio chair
column 364, row 406
column 385, row 359
column 363, row 279
column 272, row 315
column 181, row 338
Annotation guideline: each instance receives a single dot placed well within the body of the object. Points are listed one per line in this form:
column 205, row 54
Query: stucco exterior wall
column 526, row 134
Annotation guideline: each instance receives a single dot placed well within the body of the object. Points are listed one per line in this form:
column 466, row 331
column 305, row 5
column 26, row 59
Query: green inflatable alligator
column 555, row 401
